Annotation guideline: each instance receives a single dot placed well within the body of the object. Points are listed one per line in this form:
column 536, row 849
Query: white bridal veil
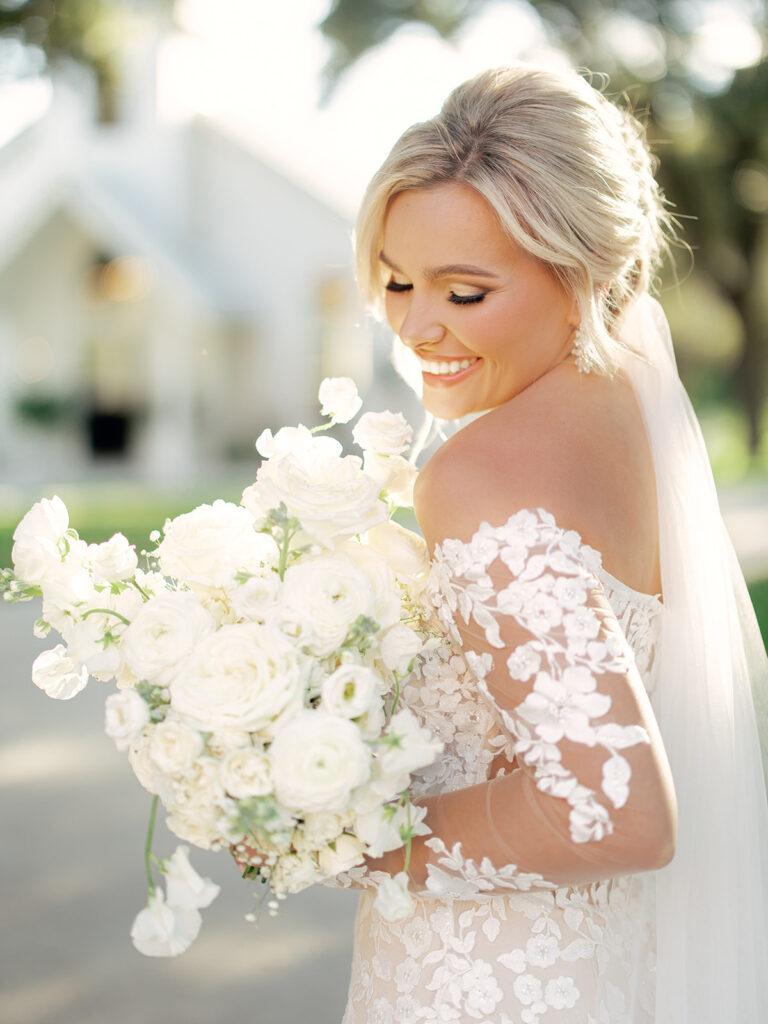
column 712, row 900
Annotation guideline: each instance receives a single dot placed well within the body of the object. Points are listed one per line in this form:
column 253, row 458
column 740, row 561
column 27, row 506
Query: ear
column 574, row 314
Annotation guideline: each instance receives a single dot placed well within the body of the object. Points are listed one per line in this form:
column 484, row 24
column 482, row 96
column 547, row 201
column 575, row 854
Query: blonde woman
column 599, row 835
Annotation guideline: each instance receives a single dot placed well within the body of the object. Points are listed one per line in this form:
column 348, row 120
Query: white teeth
column 443, row 369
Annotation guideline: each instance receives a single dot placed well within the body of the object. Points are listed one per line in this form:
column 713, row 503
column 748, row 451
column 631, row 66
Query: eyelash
column 457, row 300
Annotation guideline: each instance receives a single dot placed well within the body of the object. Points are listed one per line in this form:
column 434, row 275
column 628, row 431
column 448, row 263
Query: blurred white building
column 165, row 293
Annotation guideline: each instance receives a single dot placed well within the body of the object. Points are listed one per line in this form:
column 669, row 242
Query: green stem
column 284, row 548
column 409, row 839
column 140, row 589
column 105, row 611
column 397, row 693
column 148, row 846
column 316, row 430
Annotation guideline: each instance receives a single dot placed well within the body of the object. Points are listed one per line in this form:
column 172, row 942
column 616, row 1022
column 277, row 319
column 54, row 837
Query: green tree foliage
column 710, row 126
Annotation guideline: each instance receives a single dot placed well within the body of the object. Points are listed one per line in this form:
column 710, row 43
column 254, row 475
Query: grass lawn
column 97, row 513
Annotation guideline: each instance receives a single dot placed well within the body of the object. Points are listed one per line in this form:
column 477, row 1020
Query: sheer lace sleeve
column 587, row 794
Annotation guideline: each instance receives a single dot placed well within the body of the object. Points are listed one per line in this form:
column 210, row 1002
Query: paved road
column 71, row 880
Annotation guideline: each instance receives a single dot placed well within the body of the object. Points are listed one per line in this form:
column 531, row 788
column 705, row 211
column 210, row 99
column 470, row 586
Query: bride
column 599, row 835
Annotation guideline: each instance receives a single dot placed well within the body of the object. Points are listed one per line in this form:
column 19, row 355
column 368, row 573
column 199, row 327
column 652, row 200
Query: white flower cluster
column 257, row 660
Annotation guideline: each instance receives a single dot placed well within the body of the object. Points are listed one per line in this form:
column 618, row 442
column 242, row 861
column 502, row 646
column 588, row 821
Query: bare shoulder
column 573, row 444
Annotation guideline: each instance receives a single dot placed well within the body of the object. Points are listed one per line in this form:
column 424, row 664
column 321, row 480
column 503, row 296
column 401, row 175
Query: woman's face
column 484, row 317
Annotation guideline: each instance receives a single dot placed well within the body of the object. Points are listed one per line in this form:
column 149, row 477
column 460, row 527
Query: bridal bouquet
column 257, row 658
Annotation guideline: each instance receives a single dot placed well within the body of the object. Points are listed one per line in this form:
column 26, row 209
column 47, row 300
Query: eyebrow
column 448, row 270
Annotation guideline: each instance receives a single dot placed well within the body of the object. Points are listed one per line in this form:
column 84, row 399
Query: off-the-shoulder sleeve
column 588, row 795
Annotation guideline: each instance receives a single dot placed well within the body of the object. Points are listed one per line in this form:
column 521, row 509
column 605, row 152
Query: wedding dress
column 541, row 694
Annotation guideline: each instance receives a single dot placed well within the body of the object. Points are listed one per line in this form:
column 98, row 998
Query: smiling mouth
column 446, row 368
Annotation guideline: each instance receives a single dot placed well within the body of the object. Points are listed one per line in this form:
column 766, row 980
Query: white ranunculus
column 160, row 930
column 294, row 872
column 247, row 772
column 347, row 853
column 186, row 889
column 350, row 690
column 126, row 714
column 393, row 900
column 380, row 828
column 209, row 545
column 174, row 746
column 317, row 760
column 404, row 550
column 38, row 539
column 242, row 677
column 328, row 493
column 386, row 433
column 255, row 597
column 223, row 742
column 394, row 475
column 113, row 560
column 399, row 646
column 162, row 634
column 90, row 644
column 198, row 804
column 330, row 592
column 57, row 674
column 339, row 399
column 406, row 745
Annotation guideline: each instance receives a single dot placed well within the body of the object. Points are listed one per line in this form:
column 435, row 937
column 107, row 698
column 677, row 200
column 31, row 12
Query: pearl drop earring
column 585, row 361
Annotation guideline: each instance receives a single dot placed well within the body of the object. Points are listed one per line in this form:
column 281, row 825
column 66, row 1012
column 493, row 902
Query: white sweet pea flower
column 317, row 760
column 174, row 746
column 339, row 399
column 161, row 930
column 163, row 632
column 67, row 583
column 393, row 900
column 90, row 645
column 347, row 852
column 405, row 551
column 380, row 828
column 126, row 714
column 399, row 646
column 241, row 678
column 113, row 560
column 247, row 772
column 58, row 675
column 39, row 539
column 209, row 545
column 186, row 889
column 294, row 439
column 406, row 746
column 386, row 433
column 331, row 593
column 350, row 690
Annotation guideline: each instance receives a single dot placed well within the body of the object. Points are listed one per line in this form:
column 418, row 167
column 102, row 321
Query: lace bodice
column 539, row 692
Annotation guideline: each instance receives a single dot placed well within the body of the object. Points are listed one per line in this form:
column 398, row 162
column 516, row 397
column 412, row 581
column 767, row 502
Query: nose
column 420, row 325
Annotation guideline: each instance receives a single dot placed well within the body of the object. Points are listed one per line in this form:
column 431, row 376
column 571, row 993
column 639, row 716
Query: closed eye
column 396, row 286
column 466, row 300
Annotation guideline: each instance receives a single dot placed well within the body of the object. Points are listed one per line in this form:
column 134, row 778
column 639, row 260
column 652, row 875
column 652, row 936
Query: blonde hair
column 568, row 174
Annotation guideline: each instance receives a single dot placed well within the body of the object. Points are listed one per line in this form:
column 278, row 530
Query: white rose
column 387, row 433
column 380, row 828
column 58, row 675
column 404, row 550
column 209, row 545
column 242, row 677
column 320, row 827
column 255, row 597
column 330, row 592
column 39, row 539
column 347, row 852
column 162, row 634
column 393, row 900
column 173, row 746
column 126, row 714
column 247, row 773
column 160, row 930
column 339, row 399
column 114, row 559
column 223, row 742
column 328, row 493
column 394, row 475
column 294, row 872
column 380, row 576
column 350, row 691
column 186, row 889
column 399, row 646
column 317, row 760
column 198, row 804
column 406, row 746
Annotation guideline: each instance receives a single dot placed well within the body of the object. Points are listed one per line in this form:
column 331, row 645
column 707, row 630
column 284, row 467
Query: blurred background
column 178, row 183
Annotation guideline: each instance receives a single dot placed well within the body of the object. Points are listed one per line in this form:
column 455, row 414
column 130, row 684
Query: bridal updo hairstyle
column 568, row 174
